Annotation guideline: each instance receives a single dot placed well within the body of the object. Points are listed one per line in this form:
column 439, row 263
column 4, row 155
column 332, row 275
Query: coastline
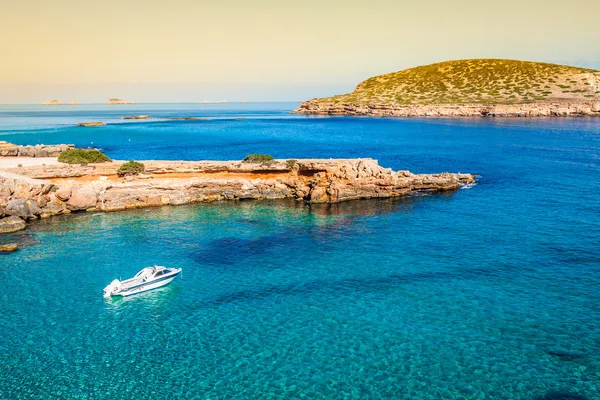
column 42, row 189
column 547, row 109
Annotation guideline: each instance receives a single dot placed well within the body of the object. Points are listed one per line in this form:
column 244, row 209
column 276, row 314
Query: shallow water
column 488, row 293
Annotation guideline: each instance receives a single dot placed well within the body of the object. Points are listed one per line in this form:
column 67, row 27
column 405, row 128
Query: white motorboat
column 147, row 279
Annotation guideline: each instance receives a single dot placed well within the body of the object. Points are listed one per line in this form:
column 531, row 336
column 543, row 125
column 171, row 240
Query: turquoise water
column 488, row 293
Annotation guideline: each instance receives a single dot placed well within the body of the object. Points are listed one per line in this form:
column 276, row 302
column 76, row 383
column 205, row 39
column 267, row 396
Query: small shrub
column 257, row 158
column 80, row 156
column 290, row 163
column 130, row 168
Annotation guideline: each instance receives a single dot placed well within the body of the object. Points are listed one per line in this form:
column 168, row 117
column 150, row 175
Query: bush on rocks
column 80, row 156
column 258, row 158
column 130, row 168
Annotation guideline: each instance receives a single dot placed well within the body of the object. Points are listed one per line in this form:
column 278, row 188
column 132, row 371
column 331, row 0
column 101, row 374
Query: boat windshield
column 140, row 273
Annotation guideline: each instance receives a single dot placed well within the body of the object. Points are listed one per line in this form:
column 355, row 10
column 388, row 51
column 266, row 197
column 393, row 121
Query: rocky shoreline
column 39, row 150
column 549, row 109
column 41, row 191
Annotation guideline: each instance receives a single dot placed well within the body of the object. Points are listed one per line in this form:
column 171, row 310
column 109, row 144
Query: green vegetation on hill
column 477, row 81
column 80, row 156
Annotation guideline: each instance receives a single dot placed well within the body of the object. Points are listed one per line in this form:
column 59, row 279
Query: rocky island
column 91, row 124
column 52, row 103
column 50, row 188
column 118, row 101
column 470, row 88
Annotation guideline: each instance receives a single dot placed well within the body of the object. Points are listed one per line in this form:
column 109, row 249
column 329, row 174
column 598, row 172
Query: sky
column 263, row 50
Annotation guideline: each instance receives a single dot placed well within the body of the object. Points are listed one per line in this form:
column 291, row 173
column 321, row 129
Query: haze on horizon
column 186, row 50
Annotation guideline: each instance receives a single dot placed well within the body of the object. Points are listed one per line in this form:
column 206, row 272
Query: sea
column 490, row 292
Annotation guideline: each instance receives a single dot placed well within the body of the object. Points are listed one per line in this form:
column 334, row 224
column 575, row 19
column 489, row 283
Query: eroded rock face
column 11, row 224
column 82, row 198
column 175, row 183
column 8, row 149
column 555, row 109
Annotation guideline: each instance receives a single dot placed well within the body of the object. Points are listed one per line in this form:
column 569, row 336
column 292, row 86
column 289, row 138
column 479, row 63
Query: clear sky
column 260, row 50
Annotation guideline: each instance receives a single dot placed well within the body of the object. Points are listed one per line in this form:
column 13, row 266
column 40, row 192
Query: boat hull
column 146, row 286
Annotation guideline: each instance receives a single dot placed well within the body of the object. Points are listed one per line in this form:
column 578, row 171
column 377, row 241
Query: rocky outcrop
column 7, row 248
column 42, row 150
column 8, row 149
column 25, row 209
column 11, row 224
column 39, row 150
column 118, row 101
column 95, row 123
column 136, row 117
column 68, row 188
column 555, row 109
column 52, row 103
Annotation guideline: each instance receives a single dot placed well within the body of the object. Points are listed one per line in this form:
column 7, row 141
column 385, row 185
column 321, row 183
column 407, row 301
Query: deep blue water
column 487, row 293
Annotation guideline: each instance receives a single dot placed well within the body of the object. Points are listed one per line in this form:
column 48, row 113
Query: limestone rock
column 53, row 207
column 19, row 208
column 82, row 198
column 11, row 224
column 319, row 195
column 8, row 149
column 316, row 181
column 34, row 209
column 64, row 192
column 538, row 109
column 7, row 248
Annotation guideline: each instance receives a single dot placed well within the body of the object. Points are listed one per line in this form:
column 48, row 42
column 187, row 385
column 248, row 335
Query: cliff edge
column 41, row 191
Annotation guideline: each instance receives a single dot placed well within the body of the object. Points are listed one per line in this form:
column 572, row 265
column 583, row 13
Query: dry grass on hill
column 477, row 81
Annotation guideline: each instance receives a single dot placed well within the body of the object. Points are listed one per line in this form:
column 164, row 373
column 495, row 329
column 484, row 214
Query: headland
column 46, row 187
column 470, row 88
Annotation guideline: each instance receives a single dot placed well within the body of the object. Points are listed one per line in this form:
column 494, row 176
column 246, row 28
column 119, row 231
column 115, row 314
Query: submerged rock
column 560, row 396
column 11, row 224
column 565, row 355
column 7, row 248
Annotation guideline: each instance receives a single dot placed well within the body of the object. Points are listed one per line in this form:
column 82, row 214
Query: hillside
column 480, row 81
column 470, row 88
